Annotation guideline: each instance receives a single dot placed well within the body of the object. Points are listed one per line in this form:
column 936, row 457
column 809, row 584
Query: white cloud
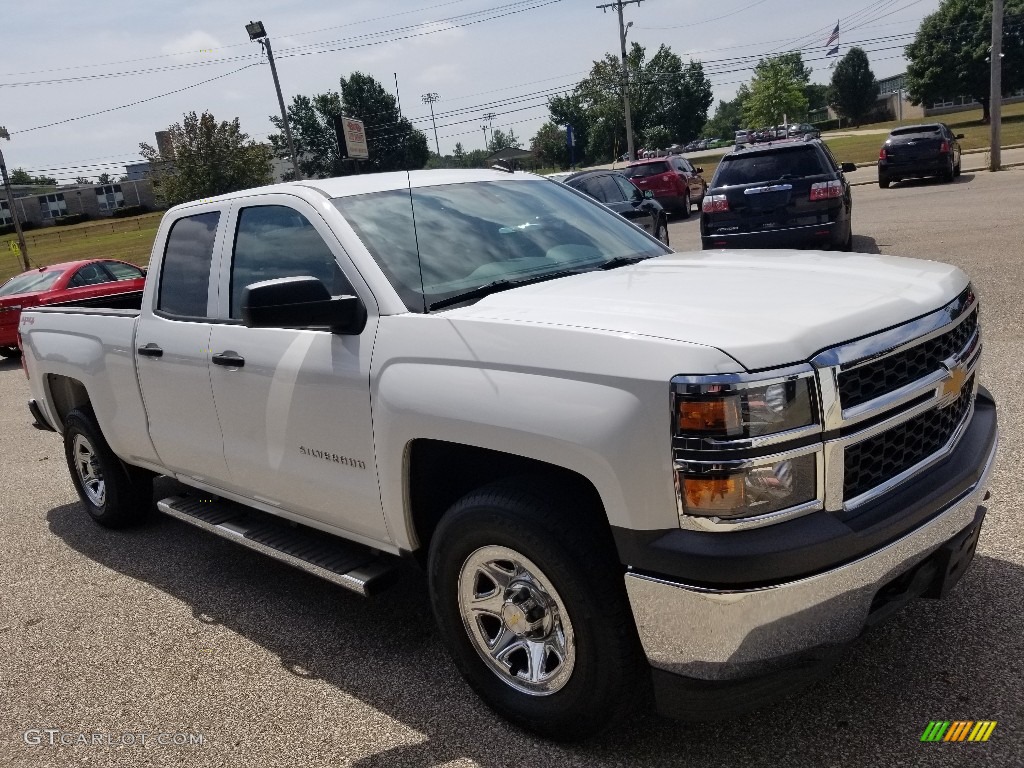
column 191, row 47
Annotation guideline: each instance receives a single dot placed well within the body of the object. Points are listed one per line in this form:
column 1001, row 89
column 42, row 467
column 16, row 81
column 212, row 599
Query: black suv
column 622, row 196
column 919, row 150
column 789, row 193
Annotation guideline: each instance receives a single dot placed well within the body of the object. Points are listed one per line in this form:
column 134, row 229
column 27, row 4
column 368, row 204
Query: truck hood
column 763, row 308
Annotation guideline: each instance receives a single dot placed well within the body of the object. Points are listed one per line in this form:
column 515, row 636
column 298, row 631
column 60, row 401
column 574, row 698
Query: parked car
column 804, row 129
column 919, row 150
column 788, row 193
column 622, row 196
column 79, row 282
column 621, row 468
column 744, row 137
column 676, row 184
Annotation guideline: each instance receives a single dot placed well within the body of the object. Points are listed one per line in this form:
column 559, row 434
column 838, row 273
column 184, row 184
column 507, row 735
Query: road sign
column 351, row 137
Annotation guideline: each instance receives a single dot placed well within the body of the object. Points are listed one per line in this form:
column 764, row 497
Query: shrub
column 76, row 218
column 129, row 210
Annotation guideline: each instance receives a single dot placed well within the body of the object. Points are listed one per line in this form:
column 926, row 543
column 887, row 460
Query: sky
column 62, row 61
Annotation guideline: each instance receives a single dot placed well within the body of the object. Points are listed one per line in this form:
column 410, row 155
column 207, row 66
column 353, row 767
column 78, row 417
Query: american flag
column 834, row 37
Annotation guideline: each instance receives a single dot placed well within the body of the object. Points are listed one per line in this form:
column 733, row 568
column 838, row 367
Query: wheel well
column 66, row 394
column 441, row 473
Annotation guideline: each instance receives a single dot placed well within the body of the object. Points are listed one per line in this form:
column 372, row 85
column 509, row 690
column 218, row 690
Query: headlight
column 745, row 449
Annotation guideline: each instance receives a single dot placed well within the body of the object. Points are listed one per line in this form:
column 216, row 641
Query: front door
column 294, row 405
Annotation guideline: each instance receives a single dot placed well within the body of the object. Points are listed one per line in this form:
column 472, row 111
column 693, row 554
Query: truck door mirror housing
column 849, row 167
column 301, row 302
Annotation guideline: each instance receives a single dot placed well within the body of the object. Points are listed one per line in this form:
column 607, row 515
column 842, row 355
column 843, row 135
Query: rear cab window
column 645, row 170
column 754, row 167
column 185, row 272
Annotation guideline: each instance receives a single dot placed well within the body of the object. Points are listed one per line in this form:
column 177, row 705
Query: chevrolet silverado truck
column 623, row 469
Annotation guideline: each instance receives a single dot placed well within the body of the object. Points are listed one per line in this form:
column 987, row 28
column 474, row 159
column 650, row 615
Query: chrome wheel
column 516, row 620
column 87, row 465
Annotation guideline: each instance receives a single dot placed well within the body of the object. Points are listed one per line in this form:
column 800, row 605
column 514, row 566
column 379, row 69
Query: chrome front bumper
column 719, row 635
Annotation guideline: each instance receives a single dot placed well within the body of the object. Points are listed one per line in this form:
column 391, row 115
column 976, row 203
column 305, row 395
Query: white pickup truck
column 623, row 469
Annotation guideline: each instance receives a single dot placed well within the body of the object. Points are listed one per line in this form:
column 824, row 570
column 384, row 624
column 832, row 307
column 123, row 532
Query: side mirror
column 648, row 194
column 849, row 167
column 301, row 302
column 959, row 136
column 698, row 169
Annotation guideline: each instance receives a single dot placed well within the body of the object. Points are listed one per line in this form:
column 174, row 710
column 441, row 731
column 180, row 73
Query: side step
column 341, row 562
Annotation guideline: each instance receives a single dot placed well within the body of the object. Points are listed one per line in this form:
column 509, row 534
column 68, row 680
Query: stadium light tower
column 258, row 33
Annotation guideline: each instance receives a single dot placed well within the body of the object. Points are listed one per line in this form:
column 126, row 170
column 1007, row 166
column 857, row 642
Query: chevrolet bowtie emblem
column 951, row 387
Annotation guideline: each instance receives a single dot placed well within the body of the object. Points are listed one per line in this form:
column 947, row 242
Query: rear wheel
column 883, row 181
column 10, row 352
column 529, row 597
column 686, row 205
column 959, row 162
column 950, row 173
column 113, row 493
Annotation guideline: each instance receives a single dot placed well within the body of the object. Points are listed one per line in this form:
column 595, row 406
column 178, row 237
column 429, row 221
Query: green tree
column 501, row 140
column 663, row 91
column 83, row 180
column 728, row 116
column 21, row 176
column 947, row 58
column 210, row 158
column 776, row 90
column 549, row 146
column 817, row 96
column 103, row 178
column 393, row 142
column 853, row 92
column 459, row 155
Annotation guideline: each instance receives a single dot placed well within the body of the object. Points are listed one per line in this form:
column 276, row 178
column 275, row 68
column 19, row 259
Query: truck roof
column 361, row 184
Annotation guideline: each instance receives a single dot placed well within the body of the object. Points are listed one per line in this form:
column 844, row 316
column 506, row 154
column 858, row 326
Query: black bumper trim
column 816, row 542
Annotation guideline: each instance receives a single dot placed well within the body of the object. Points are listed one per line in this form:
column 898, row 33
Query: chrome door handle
column 229, row 359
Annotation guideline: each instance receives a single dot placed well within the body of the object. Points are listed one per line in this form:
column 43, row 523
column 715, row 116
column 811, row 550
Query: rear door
column 294, row 404
column 173, row 349
column 771, row 190
column 640, row 211
column 693, row 179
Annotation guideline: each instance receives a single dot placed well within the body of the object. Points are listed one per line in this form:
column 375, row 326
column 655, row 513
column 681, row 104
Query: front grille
column 890, row 373
column 872, row 462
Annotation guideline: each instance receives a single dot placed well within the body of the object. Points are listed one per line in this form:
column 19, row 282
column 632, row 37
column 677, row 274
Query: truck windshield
column 31, row 282
column 470, row 235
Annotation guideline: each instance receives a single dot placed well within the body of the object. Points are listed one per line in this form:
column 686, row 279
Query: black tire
column 114, row 494
column 12, row 353
column 950, row 173
column 685, row 210
column 883, row 181
column 661, row 230
column 956, row 170
column 847, row 244
column 574, row 556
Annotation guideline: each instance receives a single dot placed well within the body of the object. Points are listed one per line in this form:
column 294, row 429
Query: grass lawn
column 126, row 239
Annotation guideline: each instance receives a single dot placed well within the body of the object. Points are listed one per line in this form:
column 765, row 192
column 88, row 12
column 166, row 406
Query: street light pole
column 10, row 203
column 258, row 33
column 617, row 5
column 489, row 117
column 995, row 97
column 430, row 98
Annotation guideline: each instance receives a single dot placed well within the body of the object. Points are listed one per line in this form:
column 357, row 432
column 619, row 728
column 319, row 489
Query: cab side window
column 185, row 274
column 630, row 192
column 275, row 241
column 610, row 192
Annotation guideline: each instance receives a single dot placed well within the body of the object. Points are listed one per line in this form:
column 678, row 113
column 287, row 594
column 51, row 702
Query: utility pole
column 10, row 203
column 625, row 70
column 258, row 33
column 485, row 136
column 489, row 117
column 995, row 98
column 430, row 98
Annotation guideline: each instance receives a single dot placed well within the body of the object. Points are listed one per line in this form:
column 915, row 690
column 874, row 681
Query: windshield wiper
column 623, row 261
column 499, row 285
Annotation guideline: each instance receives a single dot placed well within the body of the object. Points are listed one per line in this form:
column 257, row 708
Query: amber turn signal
column 721, row 416
column 713, row 494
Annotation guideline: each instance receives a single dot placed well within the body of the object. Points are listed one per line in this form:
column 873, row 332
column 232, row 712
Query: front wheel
column 530, row 600
column 661, row 230
column 114, row 494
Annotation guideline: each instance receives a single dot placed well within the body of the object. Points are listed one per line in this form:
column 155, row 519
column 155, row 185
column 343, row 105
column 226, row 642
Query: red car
column 675, row 183
column 76, row 282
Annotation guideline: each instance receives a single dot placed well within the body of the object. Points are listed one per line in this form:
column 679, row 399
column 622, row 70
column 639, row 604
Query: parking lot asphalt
column 166, row 629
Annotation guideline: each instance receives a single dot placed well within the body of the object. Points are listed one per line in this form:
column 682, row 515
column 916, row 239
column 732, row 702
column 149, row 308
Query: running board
column 340, row 562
